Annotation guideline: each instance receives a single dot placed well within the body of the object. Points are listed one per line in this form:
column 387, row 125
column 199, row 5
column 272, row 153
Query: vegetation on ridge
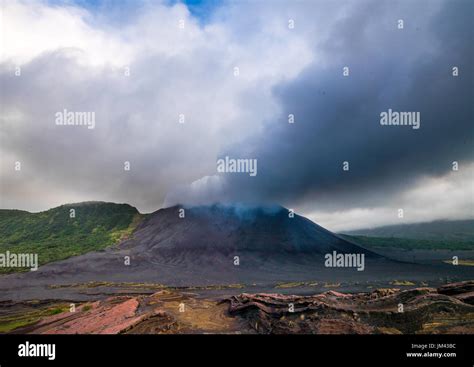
column 54, row 235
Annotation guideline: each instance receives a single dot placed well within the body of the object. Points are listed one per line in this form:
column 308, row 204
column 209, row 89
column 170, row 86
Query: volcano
column 232, row 230
column 216, row 245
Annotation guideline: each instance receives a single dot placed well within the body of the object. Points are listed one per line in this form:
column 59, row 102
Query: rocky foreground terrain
column 448, row 310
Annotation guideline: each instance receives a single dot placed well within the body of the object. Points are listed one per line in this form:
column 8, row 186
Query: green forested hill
column 54, row 235
column 442, row 230
column 437, row 235
column 409, row 243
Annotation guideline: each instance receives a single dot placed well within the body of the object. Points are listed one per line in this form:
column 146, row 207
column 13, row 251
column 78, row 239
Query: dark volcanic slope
column 230, row 230
column 200, row 250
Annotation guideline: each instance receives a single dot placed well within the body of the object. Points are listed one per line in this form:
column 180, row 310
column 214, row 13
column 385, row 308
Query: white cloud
column 71, row 61
column 32, row 28
column 433, row 198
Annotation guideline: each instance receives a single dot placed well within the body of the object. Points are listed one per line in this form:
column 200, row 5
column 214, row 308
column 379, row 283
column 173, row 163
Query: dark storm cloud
column 337, row 118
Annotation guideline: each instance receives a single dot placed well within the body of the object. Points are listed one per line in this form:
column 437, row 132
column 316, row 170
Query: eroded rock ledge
column 448, row 309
